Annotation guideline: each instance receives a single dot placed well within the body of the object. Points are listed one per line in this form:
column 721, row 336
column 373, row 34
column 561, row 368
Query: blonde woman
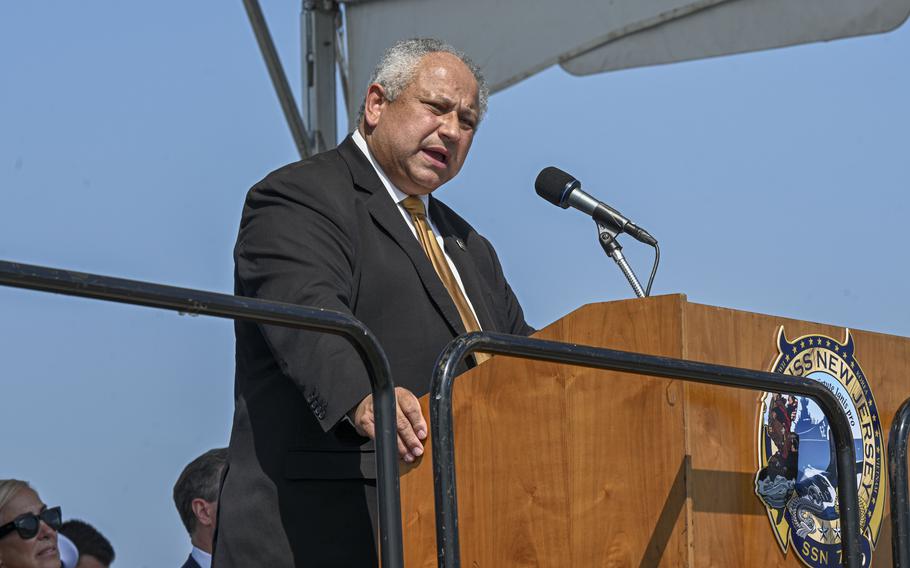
column 28, row 528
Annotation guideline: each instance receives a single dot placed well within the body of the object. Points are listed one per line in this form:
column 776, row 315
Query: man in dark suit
column 196, row 499
column 354, row 230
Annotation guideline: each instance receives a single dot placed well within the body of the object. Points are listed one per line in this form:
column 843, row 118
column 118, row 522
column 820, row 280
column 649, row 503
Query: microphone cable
column 653, row 269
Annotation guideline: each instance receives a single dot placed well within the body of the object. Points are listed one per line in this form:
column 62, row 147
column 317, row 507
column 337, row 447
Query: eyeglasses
column 27, row 525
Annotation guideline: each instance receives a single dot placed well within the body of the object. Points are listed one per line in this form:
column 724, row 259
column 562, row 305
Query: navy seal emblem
column 797, row 477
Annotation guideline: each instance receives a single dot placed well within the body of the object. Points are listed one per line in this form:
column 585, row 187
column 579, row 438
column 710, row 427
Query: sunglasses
column 27, row 525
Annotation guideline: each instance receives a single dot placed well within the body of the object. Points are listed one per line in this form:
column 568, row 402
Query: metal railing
column 198, row 302
column 441, row 422
column 897, row 479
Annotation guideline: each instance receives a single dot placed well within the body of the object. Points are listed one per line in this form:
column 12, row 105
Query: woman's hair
column 9, row 488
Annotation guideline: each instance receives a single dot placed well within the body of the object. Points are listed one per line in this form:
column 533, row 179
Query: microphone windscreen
column 554, row 185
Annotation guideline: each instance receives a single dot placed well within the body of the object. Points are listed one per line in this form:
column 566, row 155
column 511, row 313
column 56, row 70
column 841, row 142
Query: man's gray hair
column 201, row 479
column 396, row 69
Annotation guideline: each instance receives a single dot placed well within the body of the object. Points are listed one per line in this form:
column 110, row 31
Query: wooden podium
column 561, row 466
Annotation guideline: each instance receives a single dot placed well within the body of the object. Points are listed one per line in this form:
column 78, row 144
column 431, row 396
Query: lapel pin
column 460, row 244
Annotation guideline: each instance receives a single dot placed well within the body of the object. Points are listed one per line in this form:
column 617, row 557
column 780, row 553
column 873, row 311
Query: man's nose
column 450, row 127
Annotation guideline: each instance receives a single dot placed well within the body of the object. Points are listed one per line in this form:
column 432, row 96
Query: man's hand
column 412, row 428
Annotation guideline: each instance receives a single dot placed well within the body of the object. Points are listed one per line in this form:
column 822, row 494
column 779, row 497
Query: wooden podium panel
column 562, row 466
column 723, row 429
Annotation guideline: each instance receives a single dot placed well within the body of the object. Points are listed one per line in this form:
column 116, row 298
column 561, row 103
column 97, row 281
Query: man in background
column 95, row 551
column 196, row 499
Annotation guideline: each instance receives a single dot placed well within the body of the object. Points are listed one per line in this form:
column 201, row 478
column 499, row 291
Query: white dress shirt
column 398, row 196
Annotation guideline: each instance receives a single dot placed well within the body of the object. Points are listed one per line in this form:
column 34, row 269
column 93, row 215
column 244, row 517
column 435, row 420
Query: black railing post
column 897, row 479
column 199, row 302
column 441, row 421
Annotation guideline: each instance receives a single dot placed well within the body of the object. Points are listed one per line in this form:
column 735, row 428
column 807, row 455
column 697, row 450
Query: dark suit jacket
column 190, row 563
column 324, row 232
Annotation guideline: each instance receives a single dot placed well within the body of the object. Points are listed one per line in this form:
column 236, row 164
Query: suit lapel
column 456, row 248
column 387, row 215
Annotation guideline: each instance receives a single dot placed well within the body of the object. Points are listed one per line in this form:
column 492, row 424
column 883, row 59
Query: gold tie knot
column 414, row 206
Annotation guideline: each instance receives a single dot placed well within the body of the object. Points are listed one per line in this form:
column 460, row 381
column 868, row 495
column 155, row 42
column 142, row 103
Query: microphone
column 563, row 190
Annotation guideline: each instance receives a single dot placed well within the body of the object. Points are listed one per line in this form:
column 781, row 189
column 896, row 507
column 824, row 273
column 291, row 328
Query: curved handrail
column 199, row 302
column 898, row 438
column 441, row 421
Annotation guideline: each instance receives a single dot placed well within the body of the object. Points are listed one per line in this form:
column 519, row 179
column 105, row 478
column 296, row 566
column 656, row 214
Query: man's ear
column 204, row 511
column 374, row 104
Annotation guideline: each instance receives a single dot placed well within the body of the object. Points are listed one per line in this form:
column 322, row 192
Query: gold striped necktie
column 414, row 206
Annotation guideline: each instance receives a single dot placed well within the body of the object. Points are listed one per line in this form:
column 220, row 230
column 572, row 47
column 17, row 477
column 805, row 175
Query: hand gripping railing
column 198, row 302
column 441, row 425
column 897, row 478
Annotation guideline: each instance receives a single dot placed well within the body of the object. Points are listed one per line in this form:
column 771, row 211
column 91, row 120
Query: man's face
column 421, row 139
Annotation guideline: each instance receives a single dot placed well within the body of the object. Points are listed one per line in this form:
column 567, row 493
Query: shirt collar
column 396, row 194
column 202, row 558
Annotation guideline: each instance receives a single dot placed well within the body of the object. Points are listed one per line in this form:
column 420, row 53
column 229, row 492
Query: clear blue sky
column 777, row 182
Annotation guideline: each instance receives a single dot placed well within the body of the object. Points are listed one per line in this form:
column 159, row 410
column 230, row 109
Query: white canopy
column 514, row 39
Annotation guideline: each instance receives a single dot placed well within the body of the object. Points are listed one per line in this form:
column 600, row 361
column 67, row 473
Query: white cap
column 69, row 555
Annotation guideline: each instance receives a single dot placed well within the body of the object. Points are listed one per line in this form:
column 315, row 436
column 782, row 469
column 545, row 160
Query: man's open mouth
column 437, row 156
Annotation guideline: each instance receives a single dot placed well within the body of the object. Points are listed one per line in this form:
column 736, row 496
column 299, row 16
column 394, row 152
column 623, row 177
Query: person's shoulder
column 322, row 182
column 327, row 169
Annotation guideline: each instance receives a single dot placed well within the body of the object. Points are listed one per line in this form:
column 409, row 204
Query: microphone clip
column 607, row 237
